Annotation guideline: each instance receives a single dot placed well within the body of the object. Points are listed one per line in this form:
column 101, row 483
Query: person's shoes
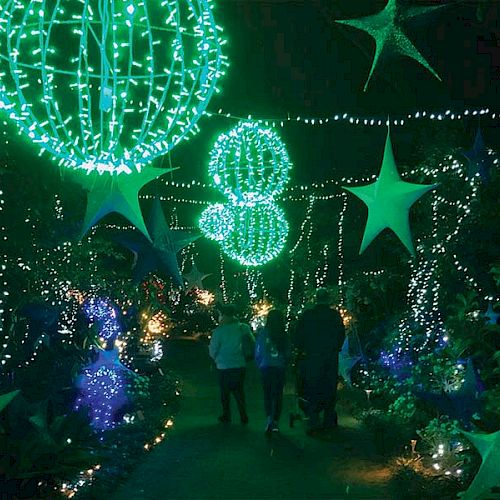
column 274, row 427
column 244, row 420
column 224, row 420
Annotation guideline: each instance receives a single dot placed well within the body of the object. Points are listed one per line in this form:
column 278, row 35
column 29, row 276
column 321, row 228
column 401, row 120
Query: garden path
column 202, row 459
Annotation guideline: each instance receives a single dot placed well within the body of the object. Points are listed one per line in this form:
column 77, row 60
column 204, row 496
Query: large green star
column 385, row 28
column 488, row 476
column 116, row 193
column 389, row 200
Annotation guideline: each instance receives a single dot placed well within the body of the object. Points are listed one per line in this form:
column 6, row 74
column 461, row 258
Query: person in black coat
column 319, row 337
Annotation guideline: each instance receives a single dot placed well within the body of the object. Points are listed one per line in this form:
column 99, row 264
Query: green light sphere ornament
column 108, row 85
column 216, row 222
column 258, row 236
column 249, row 164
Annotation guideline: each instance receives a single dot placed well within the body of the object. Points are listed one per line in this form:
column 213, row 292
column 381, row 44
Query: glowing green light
column 258, row 236
column 249, row 164
column 100, row 90
column 216, row 222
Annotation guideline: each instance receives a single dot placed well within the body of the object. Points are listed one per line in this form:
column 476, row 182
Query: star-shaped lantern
column 491, row 315
column 385, row 28
column 488, row 476
column 161, row 252
column 116, row 193
column 347, row 362
column 195, row 278
column 389, row 200
column 479, row 159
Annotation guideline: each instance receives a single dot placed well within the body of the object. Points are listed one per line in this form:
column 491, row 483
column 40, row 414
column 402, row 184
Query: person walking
column 272, row 352
column 319, row 336
column 230, row 345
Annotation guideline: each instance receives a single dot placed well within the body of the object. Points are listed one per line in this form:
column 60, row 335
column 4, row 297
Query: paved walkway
column 203, row 459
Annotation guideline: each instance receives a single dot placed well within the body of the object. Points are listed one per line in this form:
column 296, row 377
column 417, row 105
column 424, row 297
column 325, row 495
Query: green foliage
column 40, row 448
column 404, row 407
column 390, row 433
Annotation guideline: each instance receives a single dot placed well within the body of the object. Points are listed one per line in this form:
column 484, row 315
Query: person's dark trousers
column 273, row 381
column 232, row 380
column 320, row 391
column 330, row 414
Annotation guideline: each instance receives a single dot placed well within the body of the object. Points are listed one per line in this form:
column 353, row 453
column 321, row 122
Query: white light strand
column 340, row 252
column 353, row 119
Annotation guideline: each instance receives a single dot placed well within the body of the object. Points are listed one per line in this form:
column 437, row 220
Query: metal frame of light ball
column 259, row 234
column 249, row 164
column 130, row 108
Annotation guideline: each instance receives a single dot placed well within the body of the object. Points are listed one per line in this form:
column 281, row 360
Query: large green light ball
column 249, row 164
column 108, row 85
column 258, row 236
column 216, row 222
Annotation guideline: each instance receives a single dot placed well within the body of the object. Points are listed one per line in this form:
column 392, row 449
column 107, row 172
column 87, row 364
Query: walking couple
column 318, row 339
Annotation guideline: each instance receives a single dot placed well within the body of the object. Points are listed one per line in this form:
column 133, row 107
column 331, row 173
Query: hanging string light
column 353, row 119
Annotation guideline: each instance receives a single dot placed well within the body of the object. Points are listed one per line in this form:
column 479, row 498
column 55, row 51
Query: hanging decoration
column 250, row 166
column 259, row 234
column 195, row 278
column 480, row 159
column 386, row 30
column 389, row 200
column 491, row 316
column 132, row 82
column 161, row 252
column 487, row 477
column 362, row 120
column 216, row 222
column 117, row 193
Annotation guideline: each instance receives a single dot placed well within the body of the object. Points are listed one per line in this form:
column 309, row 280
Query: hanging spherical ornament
column 249, row 164
column 216, row 222
column 258, row 235
column 108, row 85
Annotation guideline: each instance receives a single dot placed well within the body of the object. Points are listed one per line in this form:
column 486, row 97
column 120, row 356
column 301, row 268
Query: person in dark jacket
column 272, row 352
column 319, row 336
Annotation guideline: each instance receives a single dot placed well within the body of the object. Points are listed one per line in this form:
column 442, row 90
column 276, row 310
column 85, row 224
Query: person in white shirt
column 231, row 344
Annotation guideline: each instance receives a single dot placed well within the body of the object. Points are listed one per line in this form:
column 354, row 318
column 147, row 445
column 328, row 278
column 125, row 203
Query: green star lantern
column 108, row 85
column 389, row 200
column 385, row 28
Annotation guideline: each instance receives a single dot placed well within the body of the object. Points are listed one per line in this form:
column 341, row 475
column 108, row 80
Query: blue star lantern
column 480, row 160
column 161, row 252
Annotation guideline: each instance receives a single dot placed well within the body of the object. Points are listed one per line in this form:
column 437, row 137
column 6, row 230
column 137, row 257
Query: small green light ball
column 258, row 236
column 249, row 164
column 108, row 85
column 216, row 222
